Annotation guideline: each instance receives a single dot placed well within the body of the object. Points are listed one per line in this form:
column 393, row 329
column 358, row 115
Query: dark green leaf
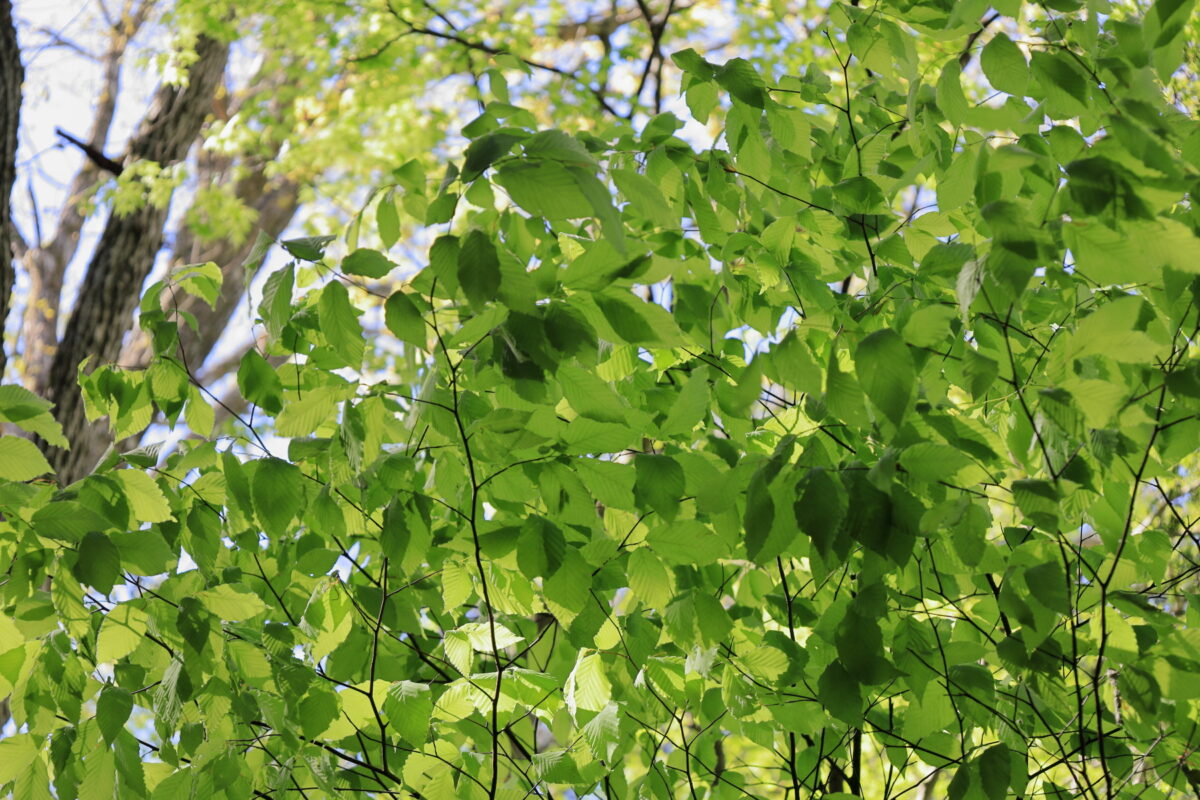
column 308, row 248
column 259, row 383
column 885, row 371
column 404, row 319
column 278, row 494
column 479, row 268
column 99, row 562
column 659, row 484
column 112, row 711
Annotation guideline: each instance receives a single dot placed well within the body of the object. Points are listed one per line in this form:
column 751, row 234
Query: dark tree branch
column 484, row 47
column 94, row 154
column 964, row 57
column 657, row 29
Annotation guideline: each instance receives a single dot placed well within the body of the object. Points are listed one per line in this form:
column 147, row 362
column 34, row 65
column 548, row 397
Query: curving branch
column 484, row 47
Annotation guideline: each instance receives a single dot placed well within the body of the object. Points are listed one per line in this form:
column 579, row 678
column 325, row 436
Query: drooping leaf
column 339, row 323
column 278, row 494
column 112, row 711
column 478, row 268
column 20, row 460
column 885, row 370
column 404, row 319
column 99, row 562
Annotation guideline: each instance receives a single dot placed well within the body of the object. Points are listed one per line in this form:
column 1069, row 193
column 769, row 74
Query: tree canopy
column 665, row 401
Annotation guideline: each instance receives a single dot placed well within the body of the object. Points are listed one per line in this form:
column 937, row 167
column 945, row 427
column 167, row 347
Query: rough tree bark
column 45, row 262
column 11, row 76
column 124, row 258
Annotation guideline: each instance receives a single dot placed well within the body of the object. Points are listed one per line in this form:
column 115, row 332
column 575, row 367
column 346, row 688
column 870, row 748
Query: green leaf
column 995, row 771
column 409, row 707
column 1048, row 585
column 587, row 687
column 230, row 602
column 200, row 280
column 31, row 413
column 885, row 371
column 484, row 151
column 112, row 711
column 121, row 631
column 694, row 64
column 146, row 499
column 602, row 733
column 588, row 436
column 1004, row 65
column 929, row 461
column 659, row 484
column 859, row 196
column 199, row 413
column 968, row 284
column 1038, row 499
column 545, row 189
column 649, row 578
column 16, row 753
column 638, row 322
column 690, row 407
column 99, row 775
column 839, row 692
column 67, row 520
column 308, row 248
column 20, row 460
column 319, row 709
column 339, row 323
column 276, row 306
column 541, row 548
column 741, row 80
column 687, row 541
column 387, row 220
column 99, row 563
column 645, row 197
column 278, row 494
column 368, row 263
column 819, row 508
column 590, row 396
column 479, row 268
column 442, row 209
column 950, row 98
column 928, row 326
column 259, row 383
column 567, row 591
column 558, row 146
column 1107, row 255
column 404, row 319
column 1061, row 81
